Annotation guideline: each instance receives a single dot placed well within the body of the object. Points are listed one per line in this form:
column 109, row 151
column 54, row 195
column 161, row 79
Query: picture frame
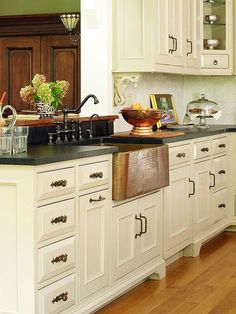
column 166, row 103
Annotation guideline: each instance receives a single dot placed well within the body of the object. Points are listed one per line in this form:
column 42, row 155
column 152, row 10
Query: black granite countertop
column 42, row 154
column 191, row 133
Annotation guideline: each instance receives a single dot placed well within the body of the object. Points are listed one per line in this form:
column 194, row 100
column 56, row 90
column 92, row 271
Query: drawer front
column 215, row 61
column 202, row 149
column 220, row 145
column 55, row 183
column 56, row 219
column 55, row 258
column 220, row 210
column 91, row 175
column 179, row 155
column 58, row 296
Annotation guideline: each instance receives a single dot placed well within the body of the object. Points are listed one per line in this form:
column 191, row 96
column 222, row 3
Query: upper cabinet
column 217, row 37
column 172, row 36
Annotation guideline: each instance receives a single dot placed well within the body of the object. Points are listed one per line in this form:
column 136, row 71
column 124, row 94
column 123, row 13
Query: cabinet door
column 193, row 34
column 60, row 60
column 124, row 248
column 170, row 33
column 177, row 211
column 19, row 61
column 202, row 212
column 133, row 35
column 93, row 238
column 150, row 208
column 220, row 206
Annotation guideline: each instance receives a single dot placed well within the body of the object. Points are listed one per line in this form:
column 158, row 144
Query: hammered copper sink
column 138, row 169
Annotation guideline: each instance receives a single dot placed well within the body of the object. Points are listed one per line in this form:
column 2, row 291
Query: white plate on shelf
column 180, row 127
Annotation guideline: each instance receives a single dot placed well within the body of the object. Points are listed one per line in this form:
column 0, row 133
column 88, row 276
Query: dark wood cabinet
column 27, row 51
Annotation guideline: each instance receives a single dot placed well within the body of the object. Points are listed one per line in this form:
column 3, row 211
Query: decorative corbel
column 121, row 82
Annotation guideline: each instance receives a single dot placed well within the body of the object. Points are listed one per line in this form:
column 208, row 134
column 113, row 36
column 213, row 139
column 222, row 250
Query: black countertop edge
column 45, row 154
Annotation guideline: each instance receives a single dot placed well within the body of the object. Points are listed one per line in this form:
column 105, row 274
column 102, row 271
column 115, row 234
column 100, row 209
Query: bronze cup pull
column 60, row 258
column 59, row 219
column 58, row 183
column 61, row 297
column 101, row 198
column 96, row 175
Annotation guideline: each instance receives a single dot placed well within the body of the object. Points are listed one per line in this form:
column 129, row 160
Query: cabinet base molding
column 124, row 284
column 231, row 228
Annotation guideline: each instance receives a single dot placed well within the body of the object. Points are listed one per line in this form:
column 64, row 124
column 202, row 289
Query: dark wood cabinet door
column 19, row 61
column 60, row 60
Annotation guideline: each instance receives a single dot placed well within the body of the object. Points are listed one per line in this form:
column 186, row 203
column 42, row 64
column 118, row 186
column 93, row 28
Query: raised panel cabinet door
column 220, row 171
column 177, row 211
column 170, row 32
column 193, row 54
column 133, row 35
column 19, row 61
column 60, row 60
column 202, row 221
column 93, row 239
column 150, row 208
column 125, row 228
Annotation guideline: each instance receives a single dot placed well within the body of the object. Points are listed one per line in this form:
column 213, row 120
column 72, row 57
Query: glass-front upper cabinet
column 217, row 35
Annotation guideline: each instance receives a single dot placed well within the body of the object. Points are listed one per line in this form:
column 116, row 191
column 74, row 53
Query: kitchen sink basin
column 138, row 169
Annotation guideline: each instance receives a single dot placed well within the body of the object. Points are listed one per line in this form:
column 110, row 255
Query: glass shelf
column 214, row 24
column 215, row 3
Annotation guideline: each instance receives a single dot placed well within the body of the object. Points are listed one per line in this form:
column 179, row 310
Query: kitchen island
column 67, row 247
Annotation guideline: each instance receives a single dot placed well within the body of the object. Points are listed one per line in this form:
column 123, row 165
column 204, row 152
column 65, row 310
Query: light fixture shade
column 70, row 20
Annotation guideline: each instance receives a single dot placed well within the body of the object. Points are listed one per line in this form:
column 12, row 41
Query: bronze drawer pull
column 193, row 182
column 58, row 183
column 205, row 149
column 60, row 258
column 62, row 296
column 141, row 226
column 97, row 200
column 214, row 180
column 145, row 223
column 222, row 146
column 222, row 205
column 180, row 155
column 59, row 219
column 96, row 175
column 221, row 171
column 215, row 62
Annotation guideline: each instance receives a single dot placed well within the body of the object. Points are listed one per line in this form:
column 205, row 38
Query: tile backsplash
column 221, row 89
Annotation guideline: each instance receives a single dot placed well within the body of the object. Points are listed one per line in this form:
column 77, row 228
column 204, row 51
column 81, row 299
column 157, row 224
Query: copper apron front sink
column 138, row 169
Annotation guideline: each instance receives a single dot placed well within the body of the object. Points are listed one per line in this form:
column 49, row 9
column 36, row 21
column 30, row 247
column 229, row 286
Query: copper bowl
column 142, row 120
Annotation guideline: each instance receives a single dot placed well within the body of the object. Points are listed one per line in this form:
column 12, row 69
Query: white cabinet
column 217, row 59
column 94, row 211
column 177, row 206
column 170, row 32
column 136, row 234
column 133, row 35
column 156, row 35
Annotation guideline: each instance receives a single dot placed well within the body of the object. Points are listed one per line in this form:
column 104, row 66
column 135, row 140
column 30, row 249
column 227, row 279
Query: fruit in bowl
column 141, row 118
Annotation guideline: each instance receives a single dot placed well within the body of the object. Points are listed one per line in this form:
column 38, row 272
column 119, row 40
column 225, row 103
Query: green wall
column 20, row 7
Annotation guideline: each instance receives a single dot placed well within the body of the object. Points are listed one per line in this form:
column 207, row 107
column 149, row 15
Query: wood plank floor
column 201, row 285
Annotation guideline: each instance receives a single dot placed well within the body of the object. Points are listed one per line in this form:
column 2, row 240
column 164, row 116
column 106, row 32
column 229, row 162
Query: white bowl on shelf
column 211, row 19
column 211, row 43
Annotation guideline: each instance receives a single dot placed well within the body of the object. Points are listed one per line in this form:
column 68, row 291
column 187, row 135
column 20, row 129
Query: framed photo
column 166, row 103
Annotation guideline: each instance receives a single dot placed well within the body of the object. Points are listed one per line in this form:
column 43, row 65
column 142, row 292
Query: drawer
column 179, row 154
column 220, row 145
column 55, row 183
column 95, row 174
column 55, row 258
column 219, row 205
column 56, row 219
column 58, row 296
column 215, row 61
column 202, row 149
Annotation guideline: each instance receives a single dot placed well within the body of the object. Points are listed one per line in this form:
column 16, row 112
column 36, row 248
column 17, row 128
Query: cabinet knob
column 61, row 297
column 215, row 62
